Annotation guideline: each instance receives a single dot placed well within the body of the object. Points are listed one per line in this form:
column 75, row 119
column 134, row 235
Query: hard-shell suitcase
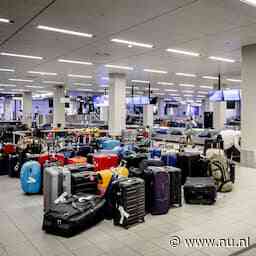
column 169, row 159
column 57, row 180
column 104, row 180
column 31, row 177
column 200, row 190
column 175, row 185
column 105, row 162
column 160, row 191
column 80, row 167
column 43, row 158
column 14, row 166
column 110, row 144
column 151, row 162
column 134, row 160
column 129, row 201
column 76, row 160
column 74, row 215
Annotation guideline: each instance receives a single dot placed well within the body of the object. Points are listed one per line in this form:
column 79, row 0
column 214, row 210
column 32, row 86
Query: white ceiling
column 210, row 27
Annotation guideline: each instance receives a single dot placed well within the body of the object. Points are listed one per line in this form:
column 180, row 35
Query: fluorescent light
column 165, row 83
column 206, row 87
column 234, row 80
column 105, row 78
column 188, row 95
column 119, row 67
column 75, row 62
column 21, row 80
column 201, row 92
column 5, row 20
column 79, row 76
column 64, row 31
column 34, row 86
column 221, row 59
column 174, row 95
column 250, row 2
column 170, row 90
column 21, row 55
column 201, row 96
column 104, row 85
column 155, row 71
column 7, row 70
column 52, row 82
column 135, row 87
column 8, row 85
column 183, row 52
column 188, row 91
column 82, row 84
column 19, row 90
column 187, row 85
column 155, row 89
column 42, row 73
column 211, row 77
column 131, row 43
column 185, row 74
column 141, row 81
column 44, row 91
column 190, row 101
column 84, row 90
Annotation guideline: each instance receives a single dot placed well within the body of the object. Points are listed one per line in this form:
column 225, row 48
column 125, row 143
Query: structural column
column 59, row 107
column 148, row 115
column 27, row 108
column 117, row 103
column 248, row 133
column 219, row 115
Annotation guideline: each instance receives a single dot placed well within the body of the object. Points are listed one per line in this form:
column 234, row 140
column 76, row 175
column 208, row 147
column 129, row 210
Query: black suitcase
column 129, row 201
column 134, row 160
column 151, row 162
column 160, row 191
column 14, row 166
column 200, row 190
column 188, row 163
column 3, row 165
column 84, row 150
column 175, row 185
column 78, row 213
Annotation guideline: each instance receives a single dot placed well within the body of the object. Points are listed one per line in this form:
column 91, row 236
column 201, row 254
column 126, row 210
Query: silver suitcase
column 57, row 180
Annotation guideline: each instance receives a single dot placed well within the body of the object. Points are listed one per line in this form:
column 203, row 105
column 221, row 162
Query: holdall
column 76, row 160
column 73, row 215
column 31, row 177
column 159, row 191
column 105, row 162
column 175, row 185
column 200, row 190
column 56, row 181
column 128, row 201
column 110, row 144
column 169, row 159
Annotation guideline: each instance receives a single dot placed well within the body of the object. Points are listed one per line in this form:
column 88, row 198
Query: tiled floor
column 232, row 216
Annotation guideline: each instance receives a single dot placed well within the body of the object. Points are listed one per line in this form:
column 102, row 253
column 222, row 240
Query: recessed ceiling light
column 64, row 31
column 187, row 85
column 170, row 90
column 234, row 80
column 185, row 74
column 5, row 20
column 211, row 77
column 75, row 62
column 21, row 55
column 21, row 80
column 188, row 91
column 118, row 67
column 141, row 81
column 52, row 82
column 8, row 85
column 155, row 71
column 250, row 2
column 165, row 83
column 42, row 73
column 206, row 87
column 34, row 86
column 82, row 84
column 7, row 70
column 221, row 59
column 183, row 52
column 79, row 76
column 131, row 43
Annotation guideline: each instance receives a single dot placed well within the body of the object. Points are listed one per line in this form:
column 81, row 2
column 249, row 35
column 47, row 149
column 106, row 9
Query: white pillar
column 27, row 108
column 248, row 156
column 104, row 113
column 219, row 115
column 59, row 107
column 148, row 115
column 117, row 103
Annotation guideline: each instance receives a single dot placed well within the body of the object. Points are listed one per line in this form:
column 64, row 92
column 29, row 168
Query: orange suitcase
column 77, row 160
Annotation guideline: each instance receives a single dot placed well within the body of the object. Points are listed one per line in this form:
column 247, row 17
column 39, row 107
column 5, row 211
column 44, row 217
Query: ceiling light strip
column 132, row 43
column 185, row 74
column 20, row 55
column 75, row 62
column 118, row 67
column 155, row 71
column 42, row 73
column 183, row 52
column 221, row 59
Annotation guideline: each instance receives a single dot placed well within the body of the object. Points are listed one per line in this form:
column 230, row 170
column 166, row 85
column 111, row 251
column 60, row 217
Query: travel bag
column 134, row 160
column 84, row 150
column 73, row 215
column 151, row 162
column 169, row 159
column 104, row 161
column 3, row 164
column 47, row 157
column 76, row 160
column 14, row 165
column 110, row 144
column 155, row 153
column 200, row 190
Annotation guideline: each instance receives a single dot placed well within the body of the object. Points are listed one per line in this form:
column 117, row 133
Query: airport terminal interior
column 127, row 127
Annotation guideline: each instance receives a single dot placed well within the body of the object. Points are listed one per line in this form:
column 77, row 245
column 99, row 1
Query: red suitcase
column 51, row 157
column 105, row 162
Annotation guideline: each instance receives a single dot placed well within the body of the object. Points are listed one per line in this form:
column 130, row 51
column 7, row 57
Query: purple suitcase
column 160, row 191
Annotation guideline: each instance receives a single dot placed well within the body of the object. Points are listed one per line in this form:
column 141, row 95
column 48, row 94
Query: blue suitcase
column 31, row 177
column 110, row 144
column 155, row 152
column 170, row 159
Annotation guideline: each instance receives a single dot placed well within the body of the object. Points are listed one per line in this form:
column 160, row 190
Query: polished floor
column 233, row 216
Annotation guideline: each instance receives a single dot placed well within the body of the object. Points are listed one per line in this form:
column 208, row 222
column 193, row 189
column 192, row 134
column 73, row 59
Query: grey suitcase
column 57, row 180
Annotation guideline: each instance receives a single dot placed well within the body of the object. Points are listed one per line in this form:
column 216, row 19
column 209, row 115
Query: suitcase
column 232, row 168
column 160, row 191
column 129, row 201
column 31, row 177
column 110, row 144
column 155, row 153
column 105, row 178
column 169, row 159
column 14, row 166
column 56, row 181
column 188, row 163
column 79, row 167
column 175, row 185
column 51, row 158
column 151, row 162
column 67, row 152
column 73, row 216
column 105, row 162
column 84, row 150
column 200, row 190
column 3, row 165
column 9, row 149
column 76, row 160
column 134, row 160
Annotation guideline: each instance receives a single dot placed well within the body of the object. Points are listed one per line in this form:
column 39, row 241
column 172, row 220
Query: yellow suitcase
column 105, row 179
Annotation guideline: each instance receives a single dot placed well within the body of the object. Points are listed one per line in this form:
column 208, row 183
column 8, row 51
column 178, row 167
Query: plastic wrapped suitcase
column 200, row 190
column 175, row 185
column 74, row 215
column 129, row 201
column 105, row 162
column 160, row 190
column 56, row 181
